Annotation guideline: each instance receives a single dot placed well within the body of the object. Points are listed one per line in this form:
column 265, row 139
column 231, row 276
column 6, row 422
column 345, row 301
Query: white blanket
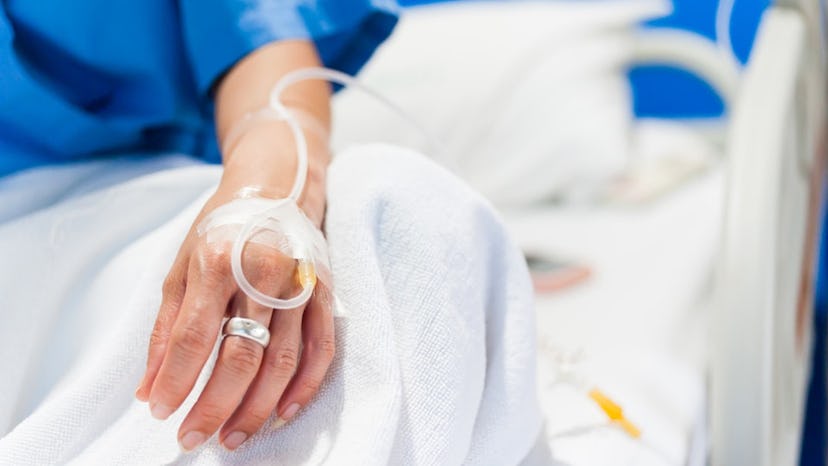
column 435, row 361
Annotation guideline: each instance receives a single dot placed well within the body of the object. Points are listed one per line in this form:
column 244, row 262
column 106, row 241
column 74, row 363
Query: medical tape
column 278, row 223
column 255, row 218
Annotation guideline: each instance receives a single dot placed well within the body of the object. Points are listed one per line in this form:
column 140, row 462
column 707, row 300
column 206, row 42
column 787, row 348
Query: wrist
column 265, row 157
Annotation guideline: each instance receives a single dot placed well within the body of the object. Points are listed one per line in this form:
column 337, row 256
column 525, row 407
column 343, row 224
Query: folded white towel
column 435, row 362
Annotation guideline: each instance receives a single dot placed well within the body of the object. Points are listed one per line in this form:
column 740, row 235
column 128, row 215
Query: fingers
column 172, row 297
column 237, row 364
column 279, row 365
column 194, row 333
column 240, row 359
column 248, row 381
column 317, row 354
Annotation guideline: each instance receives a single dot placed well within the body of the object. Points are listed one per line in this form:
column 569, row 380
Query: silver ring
column 247, row 328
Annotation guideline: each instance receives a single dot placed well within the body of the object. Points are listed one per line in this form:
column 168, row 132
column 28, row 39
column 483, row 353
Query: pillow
column 529, row 99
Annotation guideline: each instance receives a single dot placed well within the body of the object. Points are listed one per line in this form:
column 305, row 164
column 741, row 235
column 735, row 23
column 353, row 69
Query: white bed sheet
column 639, row 320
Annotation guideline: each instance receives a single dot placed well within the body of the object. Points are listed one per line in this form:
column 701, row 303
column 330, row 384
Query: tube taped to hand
column 278, row 223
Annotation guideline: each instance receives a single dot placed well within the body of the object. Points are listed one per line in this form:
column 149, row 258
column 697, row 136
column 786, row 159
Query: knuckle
column 256, row 417
column 161, row 330
column 158, row 337
column 192, row 340
column 211, row 413
column 165, row 317
column 324, row 346
column 242, row 356
column 273, row 270
column 214, row 260
column 283, row 361
column 202, row 306
column 309, row 385
column 170, row 287
column 266, row 270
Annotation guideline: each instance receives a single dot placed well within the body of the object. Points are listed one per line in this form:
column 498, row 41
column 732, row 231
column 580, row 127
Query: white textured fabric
column 435, row 361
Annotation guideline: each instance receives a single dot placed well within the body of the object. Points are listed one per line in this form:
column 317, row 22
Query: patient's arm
column 247, row 383
column 265, row 155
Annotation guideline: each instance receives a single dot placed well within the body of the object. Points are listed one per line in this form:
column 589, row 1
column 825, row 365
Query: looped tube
column 305, row 241
column 295, row 236
column 238, row 273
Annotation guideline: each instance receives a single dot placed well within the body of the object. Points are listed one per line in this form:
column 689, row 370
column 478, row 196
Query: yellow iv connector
column 306, row 273
column 614, row 412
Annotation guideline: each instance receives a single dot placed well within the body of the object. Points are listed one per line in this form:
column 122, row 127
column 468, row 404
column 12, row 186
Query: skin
column 248, row 382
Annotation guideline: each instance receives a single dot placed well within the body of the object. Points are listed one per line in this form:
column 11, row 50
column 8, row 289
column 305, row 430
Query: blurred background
column 666, row 187
column 661, row 91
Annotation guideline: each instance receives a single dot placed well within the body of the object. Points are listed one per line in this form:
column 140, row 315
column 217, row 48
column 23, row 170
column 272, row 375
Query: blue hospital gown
column 87, row 78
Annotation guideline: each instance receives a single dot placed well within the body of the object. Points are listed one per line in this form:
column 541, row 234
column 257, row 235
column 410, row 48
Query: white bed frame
column 761, row 325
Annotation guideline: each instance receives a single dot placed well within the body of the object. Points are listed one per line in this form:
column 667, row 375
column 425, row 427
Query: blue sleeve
column 218, row 33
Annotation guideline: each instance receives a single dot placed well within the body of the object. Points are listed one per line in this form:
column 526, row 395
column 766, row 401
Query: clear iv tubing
column 257, row 219
column 247, row 231
column 338, row 77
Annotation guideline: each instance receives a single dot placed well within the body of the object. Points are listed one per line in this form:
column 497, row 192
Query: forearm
column 265, row 153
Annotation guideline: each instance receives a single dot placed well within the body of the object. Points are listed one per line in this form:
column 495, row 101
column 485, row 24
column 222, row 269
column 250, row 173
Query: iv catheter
column 301, row 239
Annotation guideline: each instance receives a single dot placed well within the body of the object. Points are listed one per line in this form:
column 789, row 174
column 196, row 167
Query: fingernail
column 191, row 440
column 139, row 394
column 232, row 441
column 160, row 411
column 286, row 415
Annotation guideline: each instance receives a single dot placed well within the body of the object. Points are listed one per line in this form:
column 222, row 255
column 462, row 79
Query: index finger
column 194, row 333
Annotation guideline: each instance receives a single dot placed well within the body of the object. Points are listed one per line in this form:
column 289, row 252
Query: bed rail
column 761, row 325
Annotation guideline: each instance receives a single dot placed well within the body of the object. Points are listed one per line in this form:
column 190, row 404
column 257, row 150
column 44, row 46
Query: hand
column 248, row 382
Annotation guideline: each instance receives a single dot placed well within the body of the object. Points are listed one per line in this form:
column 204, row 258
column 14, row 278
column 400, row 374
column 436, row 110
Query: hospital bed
column 694, row 319
column 761, row 327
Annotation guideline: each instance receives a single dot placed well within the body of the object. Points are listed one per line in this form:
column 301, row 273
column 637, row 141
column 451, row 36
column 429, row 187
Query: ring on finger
column 247, row 328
